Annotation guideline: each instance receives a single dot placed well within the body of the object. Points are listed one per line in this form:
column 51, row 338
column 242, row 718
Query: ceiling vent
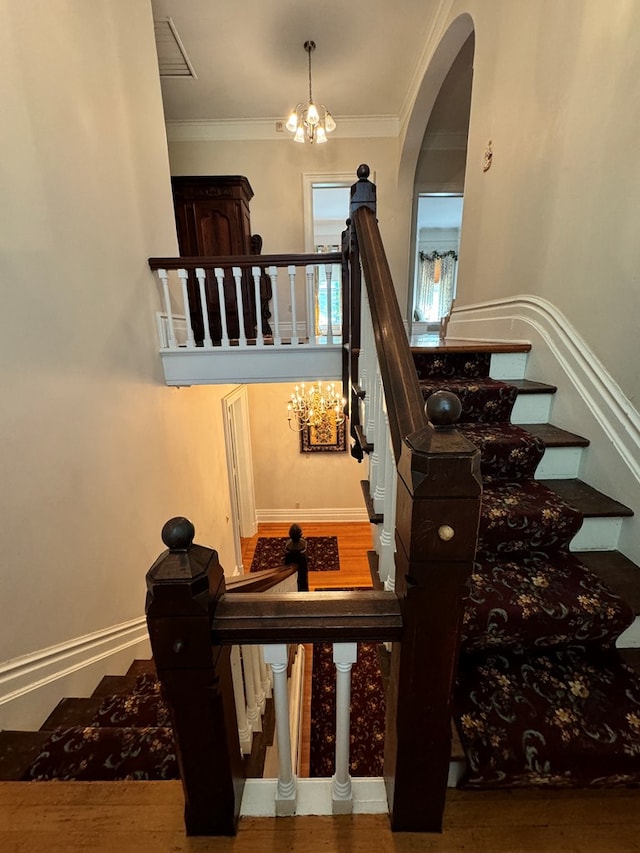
column 172, row 57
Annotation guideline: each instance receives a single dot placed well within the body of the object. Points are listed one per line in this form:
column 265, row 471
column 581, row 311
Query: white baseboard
column 589, row 401
column 275, row 516
column 32, row 685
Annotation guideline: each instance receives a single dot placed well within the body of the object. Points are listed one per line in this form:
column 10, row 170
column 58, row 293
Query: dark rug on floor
column 322, row 553
column 368, row 708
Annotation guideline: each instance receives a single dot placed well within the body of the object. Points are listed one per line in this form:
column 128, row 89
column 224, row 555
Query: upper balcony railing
column 269, row 303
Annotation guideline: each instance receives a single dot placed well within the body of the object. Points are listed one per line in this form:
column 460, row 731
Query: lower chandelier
column 317, row 406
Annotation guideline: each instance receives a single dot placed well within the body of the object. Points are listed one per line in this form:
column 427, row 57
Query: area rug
column 322, row 553
column 368, row 707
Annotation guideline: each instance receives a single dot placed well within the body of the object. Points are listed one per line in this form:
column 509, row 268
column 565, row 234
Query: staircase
column 122, row 731
column 543, row 696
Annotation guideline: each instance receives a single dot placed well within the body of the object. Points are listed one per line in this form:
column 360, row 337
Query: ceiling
column 250, row 61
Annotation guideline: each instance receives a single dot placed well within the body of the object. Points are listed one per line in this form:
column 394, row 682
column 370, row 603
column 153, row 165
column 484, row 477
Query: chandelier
column 316, row 406
column 310, row 122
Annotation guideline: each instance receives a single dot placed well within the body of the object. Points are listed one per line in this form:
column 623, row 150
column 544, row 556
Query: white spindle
column 327, row 277
column 187, row 308
column 200, row 275
column 273, row 275
column 286, row 789
column 253, row 711
column 344, row 656
column 312, row 274
column 266, row 678
column 164, row 278
column 219, row 274
column 244, row 729
column 381, row 441
column 292, row 295
column 256, row 273
column 386, row 565
column 242, row 332
column 261, row 697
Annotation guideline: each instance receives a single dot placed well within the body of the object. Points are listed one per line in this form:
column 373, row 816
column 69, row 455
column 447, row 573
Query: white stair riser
column 559, row 463
column 630, row 639
column 597, row 534
column 532, row 409
column 508, row 365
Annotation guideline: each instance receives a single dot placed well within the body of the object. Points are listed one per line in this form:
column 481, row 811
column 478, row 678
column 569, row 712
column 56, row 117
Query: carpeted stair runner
column 543, row 697
column 128, row 736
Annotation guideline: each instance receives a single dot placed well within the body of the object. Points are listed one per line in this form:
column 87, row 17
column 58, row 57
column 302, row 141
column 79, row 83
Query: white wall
column 96, row 452
column 555, row 89
column 294, row 486
column 275, row 169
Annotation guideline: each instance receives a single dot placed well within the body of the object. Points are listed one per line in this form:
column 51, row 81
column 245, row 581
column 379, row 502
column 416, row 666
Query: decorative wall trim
column 36, row 670
column 288, row 516
column 591, row 402
column 224, row 130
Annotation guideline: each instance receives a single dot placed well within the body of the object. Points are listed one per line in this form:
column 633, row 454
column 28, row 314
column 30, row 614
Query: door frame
column 237, row 437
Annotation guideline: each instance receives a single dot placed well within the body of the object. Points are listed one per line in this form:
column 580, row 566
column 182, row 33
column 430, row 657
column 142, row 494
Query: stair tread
column 430, row 343
column 589, row 501
column 554, row 436
column 142, row 667
column 17, row 751
column 620, row 573
column 112, row 685
column 530, row 386
column 72, row 712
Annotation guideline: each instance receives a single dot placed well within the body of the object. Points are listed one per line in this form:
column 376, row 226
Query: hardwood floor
column 354, row 540
column 146, row 817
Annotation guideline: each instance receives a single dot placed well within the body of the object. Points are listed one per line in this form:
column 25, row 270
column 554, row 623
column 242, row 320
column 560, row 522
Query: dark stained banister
column 244, row 261
column 193, row 620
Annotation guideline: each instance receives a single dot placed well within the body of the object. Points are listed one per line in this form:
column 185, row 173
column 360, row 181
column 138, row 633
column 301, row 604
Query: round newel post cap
column 178, row 534
column 443, row 409
column 363, row 172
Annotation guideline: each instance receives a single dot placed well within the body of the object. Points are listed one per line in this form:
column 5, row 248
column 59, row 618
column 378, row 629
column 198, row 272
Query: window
column 438, row 235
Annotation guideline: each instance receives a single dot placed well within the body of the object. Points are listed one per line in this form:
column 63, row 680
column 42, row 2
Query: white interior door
column 235, row 414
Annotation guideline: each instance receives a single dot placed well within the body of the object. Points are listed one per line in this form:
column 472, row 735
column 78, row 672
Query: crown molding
column 225, row 130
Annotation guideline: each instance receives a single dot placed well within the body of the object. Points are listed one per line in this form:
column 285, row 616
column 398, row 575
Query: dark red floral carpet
column 129, row 737
column 322, row 553
column 366, row 747
column 542, row 697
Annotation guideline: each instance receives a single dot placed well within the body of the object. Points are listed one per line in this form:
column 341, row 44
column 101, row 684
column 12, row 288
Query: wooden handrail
column 307, row 617
column 260, row 581
column 405, row 405
column 244, row 261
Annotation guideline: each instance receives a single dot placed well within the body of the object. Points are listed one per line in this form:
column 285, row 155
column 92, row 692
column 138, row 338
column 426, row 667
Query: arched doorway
column 432, row 168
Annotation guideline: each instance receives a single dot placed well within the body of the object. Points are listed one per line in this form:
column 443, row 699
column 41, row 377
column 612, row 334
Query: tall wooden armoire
column 213, row 218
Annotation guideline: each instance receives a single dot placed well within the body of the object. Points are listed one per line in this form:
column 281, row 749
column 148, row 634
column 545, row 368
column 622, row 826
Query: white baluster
column 254, row 717
column 286, row 789
column 386, row 565
column 242, row 332
column 257, row 272
column 200, row 275
column 327, row 277
column 312, row 278
column 261, row 698
column 380, row 440
column 164, row 278
column 187, row 308
column 273, row 275
column 265, row 674
column 244, row 729
column 344, row 656
column 292, row 295
column 219, row 273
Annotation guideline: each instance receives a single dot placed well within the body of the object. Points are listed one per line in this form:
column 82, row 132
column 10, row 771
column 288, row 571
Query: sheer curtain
column 436, row 285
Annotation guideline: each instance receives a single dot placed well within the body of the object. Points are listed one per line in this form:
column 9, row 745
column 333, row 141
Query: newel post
column 438, row 506
column 183, row 587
